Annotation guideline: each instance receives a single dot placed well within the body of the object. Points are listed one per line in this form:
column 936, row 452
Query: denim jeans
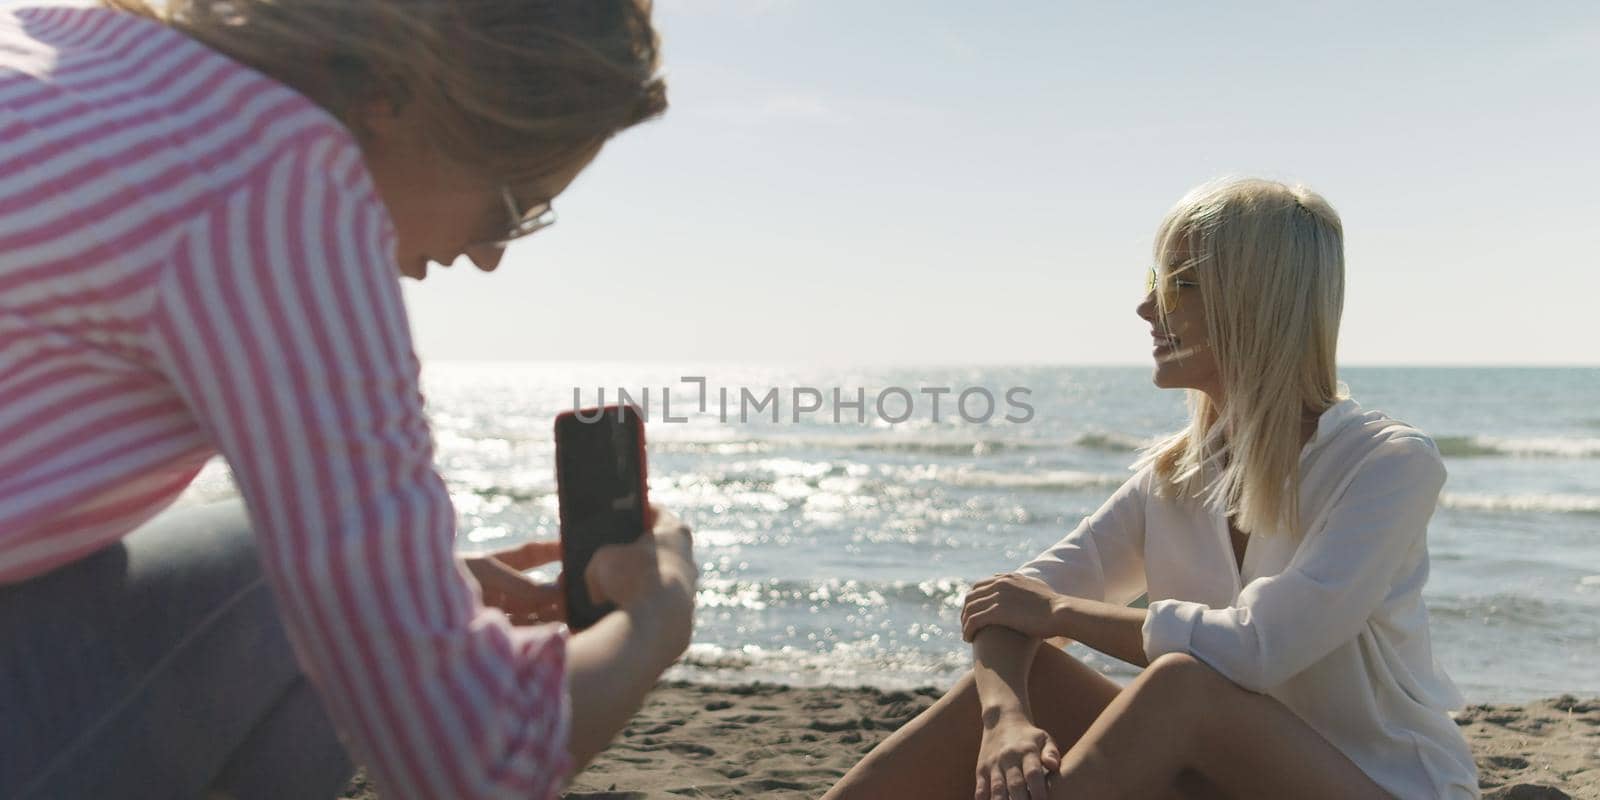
column 158, row 668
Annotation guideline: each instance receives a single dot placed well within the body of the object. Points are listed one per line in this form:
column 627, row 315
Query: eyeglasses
column 521, row 223
column 1151, row 281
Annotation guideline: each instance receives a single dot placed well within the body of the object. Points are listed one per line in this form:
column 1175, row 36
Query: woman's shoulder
column 1379, row 430
column 1362, row 438
column 150, row 103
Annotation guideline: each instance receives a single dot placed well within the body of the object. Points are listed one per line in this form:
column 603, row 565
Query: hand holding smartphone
column 603, row 495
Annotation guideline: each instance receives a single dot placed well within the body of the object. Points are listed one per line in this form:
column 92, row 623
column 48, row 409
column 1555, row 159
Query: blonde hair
column 517, row 89
column 1269, row 260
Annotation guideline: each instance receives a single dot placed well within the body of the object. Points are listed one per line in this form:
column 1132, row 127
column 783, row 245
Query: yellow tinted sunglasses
column 1151, row 280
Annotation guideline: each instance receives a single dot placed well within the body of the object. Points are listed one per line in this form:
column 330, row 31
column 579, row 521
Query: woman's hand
column 614, row 663
column 1015, row 760
column 1025, row 605
column 524, row 600
column 656, row 575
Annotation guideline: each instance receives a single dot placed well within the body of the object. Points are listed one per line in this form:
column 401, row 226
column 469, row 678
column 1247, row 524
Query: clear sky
column 940, row 182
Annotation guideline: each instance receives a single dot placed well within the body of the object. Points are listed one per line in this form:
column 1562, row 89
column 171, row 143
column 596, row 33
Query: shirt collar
column 1332, row 419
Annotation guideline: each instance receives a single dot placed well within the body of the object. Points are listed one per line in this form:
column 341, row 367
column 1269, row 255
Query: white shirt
column 1331, row 623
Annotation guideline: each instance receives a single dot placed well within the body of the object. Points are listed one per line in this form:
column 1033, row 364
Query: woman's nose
column 486, row 257
column 1147, row 308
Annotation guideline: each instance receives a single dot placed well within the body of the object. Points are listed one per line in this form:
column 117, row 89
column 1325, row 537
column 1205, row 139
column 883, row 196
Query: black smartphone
column 601, row 489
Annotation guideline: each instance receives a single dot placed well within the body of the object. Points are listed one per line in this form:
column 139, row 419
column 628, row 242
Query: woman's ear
column 380, row 121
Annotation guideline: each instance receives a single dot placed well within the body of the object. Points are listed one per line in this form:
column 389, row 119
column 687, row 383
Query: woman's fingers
column 1050, row 756
column 1033, row 774
column 676, row 541
column 621, row 575
column 976, row 600
column 1016, row 784
column 530, row 555
column 554, row 609
column 546, row 613
column 537, row 598
column 492, row 576
column 980, row 791
column 540, row 600
column 515, row 593
column 660, row 520
column 997, row 784
column 979, row 620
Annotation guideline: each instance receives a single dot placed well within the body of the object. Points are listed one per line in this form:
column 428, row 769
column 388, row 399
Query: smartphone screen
column 600, row 486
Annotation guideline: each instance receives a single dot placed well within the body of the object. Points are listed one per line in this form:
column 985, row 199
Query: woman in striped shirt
column 202, row 214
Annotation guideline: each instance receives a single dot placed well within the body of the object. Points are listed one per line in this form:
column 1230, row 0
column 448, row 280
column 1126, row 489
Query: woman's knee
column 204, row 549
column 293, row 751
column 194, row 570
column 936, row 748
column 1175, row 665
column 1177, row 682
column 958, row 706
column 178, row 649
column 1180, row 668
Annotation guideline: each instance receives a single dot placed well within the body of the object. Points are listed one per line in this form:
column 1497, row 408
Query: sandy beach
column 786, row 743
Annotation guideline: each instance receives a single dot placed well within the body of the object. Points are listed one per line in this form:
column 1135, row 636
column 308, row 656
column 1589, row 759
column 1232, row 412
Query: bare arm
column 1001, row 660
column 612, row 665
column 1117, row 631
column 1015, row 756
column 1028, row 606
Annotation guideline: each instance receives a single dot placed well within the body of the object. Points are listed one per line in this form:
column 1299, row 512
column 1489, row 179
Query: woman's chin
column 1165, row 377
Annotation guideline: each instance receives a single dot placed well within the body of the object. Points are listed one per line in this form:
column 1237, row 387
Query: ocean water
column 839, row 551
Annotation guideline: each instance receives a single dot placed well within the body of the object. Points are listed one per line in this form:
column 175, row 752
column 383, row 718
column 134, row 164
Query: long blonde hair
column 517, row 89
column 1269, row 260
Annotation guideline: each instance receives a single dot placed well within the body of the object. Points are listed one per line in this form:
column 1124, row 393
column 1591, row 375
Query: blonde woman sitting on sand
column 1281, row 538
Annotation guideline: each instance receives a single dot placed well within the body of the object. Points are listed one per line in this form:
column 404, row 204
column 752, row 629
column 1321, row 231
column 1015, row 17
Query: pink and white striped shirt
column 194, row 260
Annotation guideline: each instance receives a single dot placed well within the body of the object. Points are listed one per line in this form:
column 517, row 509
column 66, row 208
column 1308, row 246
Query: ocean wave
column 938, row 446
column 863, row 662
column 1111, row 442
column 842, row 664
column 1493, row 446
column 719, row 447
column 513, row 494
column 764, row 475
column 788, row 593
column 1507, row 609
column 932, row 445
column 1532, row 502
column 1047, row 479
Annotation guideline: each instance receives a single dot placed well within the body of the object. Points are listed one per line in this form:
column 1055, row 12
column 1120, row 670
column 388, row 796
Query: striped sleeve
column 279, row 320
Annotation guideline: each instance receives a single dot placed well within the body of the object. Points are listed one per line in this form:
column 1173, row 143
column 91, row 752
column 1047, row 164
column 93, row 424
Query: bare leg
column 934, row 755
column 1181, row 716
